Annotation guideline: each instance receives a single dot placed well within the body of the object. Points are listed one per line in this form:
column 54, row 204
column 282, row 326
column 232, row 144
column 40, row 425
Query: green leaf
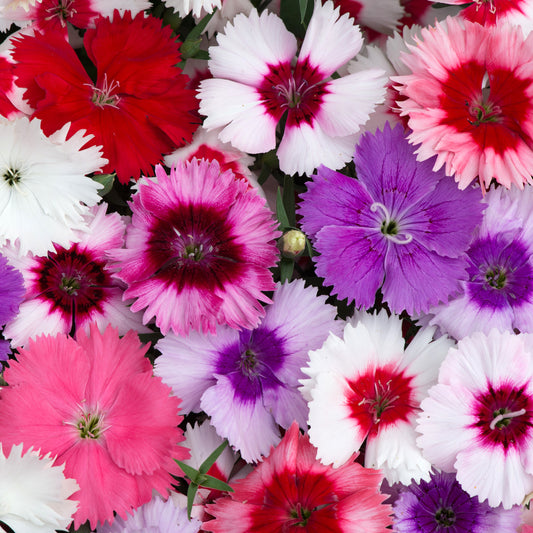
column 191, row 45
column 106, row 180
column 281, row 214
column 303, row 9
column 210, row 461
column 211, row 482
column 288, row 200
column 191, row 493
column 189, row 471
column 286, row 268
column 308, row 247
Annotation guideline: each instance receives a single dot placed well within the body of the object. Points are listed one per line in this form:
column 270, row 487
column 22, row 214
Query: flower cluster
column 266, row 266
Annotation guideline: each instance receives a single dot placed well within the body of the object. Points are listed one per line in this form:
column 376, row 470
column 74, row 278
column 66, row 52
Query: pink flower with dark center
column 473, row 105
column 481, row 413
column 248, row 96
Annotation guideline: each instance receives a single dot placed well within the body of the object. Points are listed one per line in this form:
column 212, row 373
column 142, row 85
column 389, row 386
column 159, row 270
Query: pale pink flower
column 469, row 100
column 95, row 406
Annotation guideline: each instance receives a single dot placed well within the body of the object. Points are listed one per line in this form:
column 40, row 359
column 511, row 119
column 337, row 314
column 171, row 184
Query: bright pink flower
column 292, row 491
column 199, row 249
column 470, row 101
column 95, row 405
column 139, row 107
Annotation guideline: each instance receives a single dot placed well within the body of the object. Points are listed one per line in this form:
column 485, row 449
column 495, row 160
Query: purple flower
column 247, row 381
column 400, row 226
column 441, row 505
column 499, row 290
column 11, row 294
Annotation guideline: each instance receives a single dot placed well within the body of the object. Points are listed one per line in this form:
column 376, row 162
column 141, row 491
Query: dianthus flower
column 73, row 286
column 469, row 100
column 247, row 381
column 478, row 419
column 35, row 496
column 255, row 85
column 292, row 491
column 11, row 294
column 498, row 292
column 400, row 226
column 368, row 386
column 441, row 505
column 139, row 108
column 199, row 249
column 98, row 410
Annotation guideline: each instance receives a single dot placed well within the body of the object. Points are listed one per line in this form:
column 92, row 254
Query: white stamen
column 503, row 416
column 402, row 238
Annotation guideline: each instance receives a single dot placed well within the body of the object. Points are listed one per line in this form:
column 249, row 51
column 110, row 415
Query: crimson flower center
column 104, row 95
column 504, row 416
column 63, row 10
column 380, row 396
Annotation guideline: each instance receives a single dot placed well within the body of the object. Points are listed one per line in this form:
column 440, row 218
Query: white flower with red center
column 469, row 100
column 256, row 83
column 478, row 419
column 369, row 386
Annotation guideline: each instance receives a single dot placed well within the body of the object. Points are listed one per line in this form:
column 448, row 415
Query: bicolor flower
column 255, row 83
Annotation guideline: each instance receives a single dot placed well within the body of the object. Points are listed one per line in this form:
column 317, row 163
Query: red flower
column 138, row 109
column 290, row 491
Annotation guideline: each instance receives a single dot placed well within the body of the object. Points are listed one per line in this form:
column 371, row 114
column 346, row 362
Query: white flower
column 34, row 493
column 44, row 190
column 368, row 386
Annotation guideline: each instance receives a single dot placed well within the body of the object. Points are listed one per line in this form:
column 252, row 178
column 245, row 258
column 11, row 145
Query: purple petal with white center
column 341, row 246
column 244, row 421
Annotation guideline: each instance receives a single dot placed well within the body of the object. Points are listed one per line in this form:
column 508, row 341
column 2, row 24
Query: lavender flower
column 11, row 294
column 400, row 226
column 441, row 505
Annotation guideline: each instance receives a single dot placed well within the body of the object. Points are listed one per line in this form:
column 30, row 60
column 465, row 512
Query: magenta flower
column 255, row 83
column 481, row 413
column 95, row 406
column 198, row 251
column 292, row 491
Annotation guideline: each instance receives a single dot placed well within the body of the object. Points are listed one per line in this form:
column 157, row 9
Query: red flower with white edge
column 139, row 107
column 469, row 101
column 292, row 491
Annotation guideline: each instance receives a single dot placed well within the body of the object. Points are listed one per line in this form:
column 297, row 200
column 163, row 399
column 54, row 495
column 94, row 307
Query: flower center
column 481, row 109
column 63, row 10
column 300, row 516
column 89, row 426
column 389, row 227
column 445, row 517
column 70, row 284
column 380, row 397
column 12, row 176
column 103, row 96
column 504, row 416
column 249, row 364
column 496, row 277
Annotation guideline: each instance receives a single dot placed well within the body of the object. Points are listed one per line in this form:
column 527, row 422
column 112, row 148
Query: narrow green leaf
column 106, row 180
column 280, row 212
column 286, row 268
column 211, row 482
column 191, row 493
column 210, row 461
column 288, row 200
column 197, row 31
column 189, row 471
column 303, row 9
column 308, row 247
column 202, row 54
column 191, row 45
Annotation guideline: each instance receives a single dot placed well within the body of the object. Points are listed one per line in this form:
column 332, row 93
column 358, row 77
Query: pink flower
column 255, row 84
column 198, row 251
column 94, row 404
column 470, row 101
column 292, row 491
column 478, row 419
